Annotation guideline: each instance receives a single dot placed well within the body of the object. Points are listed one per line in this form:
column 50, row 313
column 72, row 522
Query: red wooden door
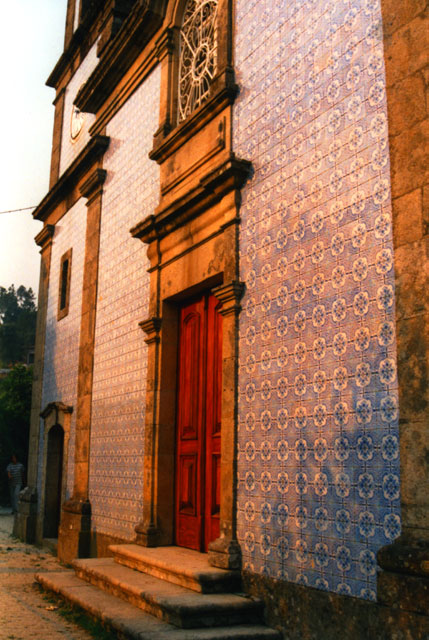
column 198, row 424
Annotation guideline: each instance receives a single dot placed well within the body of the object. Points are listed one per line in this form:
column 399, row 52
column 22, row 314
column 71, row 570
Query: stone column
column 405, row 580
column 25, row 520
column 224, row 552
column 75, row 528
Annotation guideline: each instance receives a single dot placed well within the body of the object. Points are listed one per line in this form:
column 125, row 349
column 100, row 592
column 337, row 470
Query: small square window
column 64, row 285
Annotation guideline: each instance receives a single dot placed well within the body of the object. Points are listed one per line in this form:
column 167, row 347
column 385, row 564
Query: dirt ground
column 25, row 612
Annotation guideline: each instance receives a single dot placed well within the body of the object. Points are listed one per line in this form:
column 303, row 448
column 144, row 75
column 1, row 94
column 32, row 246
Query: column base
column 147, row 534
column 74, row 534
column 403, row 582
column 24, row 526
column 225, row 553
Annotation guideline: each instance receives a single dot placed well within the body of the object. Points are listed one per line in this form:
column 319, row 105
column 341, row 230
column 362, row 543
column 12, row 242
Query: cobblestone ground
column 24, row 611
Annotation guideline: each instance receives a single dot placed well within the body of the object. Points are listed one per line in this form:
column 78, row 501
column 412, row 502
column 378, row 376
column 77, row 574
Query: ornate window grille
column 198, row 56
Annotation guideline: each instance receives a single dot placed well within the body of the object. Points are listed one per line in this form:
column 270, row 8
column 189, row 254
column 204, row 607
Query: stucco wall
column 318, row 435
column 131, row 192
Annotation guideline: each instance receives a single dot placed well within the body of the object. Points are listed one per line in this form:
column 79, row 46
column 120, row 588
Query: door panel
column 198, row 424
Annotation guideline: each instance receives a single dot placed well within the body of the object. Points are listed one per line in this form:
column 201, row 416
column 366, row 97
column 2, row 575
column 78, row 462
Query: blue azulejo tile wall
column 131, row 191
column 318, row 409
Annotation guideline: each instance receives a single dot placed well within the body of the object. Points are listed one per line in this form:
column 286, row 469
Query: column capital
column 93, row 185
column 44, row 237
column 151, row 327
column 230, row 295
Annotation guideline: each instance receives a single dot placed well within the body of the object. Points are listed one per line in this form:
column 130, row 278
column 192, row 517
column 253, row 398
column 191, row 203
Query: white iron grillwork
column 198, row 59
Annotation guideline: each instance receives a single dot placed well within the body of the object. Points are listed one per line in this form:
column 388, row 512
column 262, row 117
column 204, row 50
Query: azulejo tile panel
column 62, row 337
column 318, row 407
column 71, row 147
column 131, row 191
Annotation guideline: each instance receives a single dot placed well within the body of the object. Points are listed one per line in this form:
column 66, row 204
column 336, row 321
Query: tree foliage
column 15, row 407
column 17, row 324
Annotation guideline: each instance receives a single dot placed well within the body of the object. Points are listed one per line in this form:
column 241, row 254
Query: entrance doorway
column 53, row 487
column 198, row 423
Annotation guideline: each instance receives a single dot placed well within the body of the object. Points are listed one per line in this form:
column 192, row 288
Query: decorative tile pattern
column 62, row 337
column 71, row 149
column 318, row 418
column 131, row 192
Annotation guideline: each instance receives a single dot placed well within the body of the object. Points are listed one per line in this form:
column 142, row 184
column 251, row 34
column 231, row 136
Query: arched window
column 198, row 54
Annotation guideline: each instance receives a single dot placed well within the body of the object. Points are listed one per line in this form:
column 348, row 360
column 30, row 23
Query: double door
column 198, row 423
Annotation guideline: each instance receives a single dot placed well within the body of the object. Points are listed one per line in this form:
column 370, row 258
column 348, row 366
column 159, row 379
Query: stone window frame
column 64, row 284
column 173, row 132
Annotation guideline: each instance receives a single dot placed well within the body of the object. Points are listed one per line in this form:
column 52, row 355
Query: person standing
column 15, row 474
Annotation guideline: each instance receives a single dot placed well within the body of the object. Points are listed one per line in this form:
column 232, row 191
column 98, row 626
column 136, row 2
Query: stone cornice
column 120, row 53
column 230, row 175
column 44, row 237
column 95, row 148
column 76, row 43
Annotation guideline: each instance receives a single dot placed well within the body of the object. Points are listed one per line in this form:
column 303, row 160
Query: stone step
column 181, row 566
column 169, row 602
column 135, row 624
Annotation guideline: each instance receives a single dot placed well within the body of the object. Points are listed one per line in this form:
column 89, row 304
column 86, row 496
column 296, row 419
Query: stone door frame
column 55, row 413
column 190, row 252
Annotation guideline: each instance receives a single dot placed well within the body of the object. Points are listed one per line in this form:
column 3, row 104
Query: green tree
column 15, row 407
column 17, row 324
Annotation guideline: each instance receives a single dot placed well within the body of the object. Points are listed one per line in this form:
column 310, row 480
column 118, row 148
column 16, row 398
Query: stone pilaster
column 404, row 583
column 147, row 530
column 25, row 520
column 75, row 528
column 224, row 552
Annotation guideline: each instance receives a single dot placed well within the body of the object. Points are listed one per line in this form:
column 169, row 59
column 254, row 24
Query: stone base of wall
column 304, row 612
column 100, row 543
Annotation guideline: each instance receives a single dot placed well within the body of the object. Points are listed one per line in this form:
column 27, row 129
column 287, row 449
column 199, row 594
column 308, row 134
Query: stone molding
column 57, row 407
column 120, row 53
column 151, row 328
column 228, row 176
column 44, row 237
column 230, row 295
column 93, row 186
column 115, row 12
column 168, row 140
column 77, row 43
column 93, row 151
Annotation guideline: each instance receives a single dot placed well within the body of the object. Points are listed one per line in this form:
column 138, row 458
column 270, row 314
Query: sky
column 31, row 41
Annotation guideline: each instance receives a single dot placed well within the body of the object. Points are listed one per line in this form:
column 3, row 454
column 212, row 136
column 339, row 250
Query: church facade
column 232, row 346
